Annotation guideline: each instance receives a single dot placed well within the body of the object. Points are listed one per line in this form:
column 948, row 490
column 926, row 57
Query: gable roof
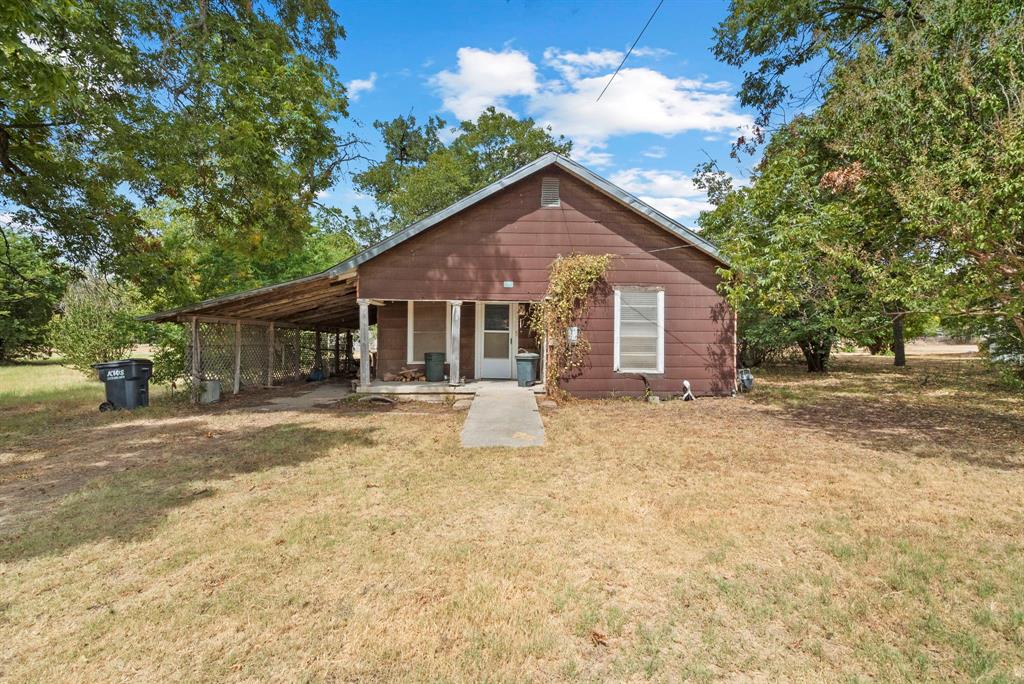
column 550, row 159
column 347, row 268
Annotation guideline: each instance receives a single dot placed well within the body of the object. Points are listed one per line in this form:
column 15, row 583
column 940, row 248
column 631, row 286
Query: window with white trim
column 639, row 330
column 427, row 325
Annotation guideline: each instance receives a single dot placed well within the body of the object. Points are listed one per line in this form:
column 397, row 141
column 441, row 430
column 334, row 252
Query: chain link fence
column 262, row 357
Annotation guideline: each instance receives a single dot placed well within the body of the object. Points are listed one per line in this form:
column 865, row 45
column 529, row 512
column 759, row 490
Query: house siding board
column 508, row 236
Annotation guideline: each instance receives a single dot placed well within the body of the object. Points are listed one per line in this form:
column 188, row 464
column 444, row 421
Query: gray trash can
column 126, row 383
column 434, row 362
column 526, row 368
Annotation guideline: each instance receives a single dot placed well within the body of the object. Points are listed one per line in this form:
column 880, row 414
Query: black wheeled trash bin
column 526, row 368
column 434, row 362
column 126, row 382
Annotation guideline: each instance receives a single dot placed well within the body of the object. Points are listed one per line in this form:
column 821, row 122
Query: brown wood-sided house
column 463, row 280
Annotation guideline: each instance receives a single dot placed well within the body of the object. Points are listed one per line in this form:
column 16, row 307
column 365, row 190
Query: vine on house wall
column 572, row 281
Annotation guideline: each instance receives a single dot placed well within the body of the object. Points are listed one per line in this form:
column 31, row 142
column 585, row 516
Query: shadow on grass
column 151, row 471
column 935, row 408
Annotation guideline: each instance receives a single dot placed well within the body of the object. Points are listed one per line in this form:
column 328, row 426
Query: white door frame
column 513, row 325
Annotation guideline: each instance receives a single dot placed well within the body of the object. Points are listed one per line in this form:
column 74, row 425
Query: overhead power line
column 630, row 50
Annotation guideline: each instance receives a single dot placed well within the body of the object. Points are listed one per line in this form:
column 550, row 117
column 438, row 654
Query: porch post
column 238, row 357
column 454, row 372
column 364, row 342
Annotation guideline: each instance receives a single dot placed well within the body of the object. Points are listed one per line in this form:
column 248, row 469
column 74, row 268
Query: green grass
column 43, row 380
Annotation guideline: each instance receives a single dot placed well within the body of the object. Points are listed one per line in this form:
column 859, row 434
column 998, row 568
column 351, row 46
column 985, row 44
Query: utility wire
column 630, row 51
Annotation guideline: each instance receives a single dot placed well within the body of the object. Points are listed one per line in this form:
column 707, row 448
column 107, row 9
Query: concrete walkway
column 323, row 394
column 503, row 415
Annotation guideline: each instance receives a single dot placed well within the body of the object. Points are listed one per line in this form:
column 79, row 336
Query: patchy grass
column 862, row 525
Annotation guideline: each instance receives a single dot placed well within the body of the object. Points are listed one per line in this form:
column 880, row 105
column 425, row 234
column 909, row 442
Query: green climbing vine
column 573, row 280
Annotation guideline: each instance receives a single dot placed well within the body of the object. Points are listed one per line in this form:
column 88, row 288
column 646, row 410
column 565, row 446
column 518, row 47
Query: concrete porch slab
column 419, row 387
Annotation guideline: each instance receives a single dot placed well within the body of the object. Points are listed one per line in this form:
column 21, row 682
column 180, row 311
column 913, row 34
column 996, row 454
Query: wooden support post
column 270, row 355
column 364, row 343
column 318, row 353
column 197, row 364
column 349, row 351
column 297, row 356
column 337, row 353
column 238, row 357
column 454, row 372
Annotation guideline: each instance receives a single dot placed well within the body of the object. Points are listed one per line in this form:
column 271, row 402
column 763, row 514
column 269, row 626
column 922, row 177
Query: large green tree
column 421, row 174
column 924, row 100
column 30, row 291
column 937, row 121
column 180, row 266
column 227, row 108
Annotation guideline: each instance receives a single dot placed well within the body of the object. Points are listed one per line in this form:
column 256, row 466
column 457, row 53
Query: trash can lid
column 525, row 356
column 122, row 362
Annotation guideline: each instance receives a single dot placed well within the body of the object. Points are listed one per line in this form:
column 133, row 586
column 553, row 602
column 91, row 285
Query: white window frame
column 616, row 363
column 409, row 313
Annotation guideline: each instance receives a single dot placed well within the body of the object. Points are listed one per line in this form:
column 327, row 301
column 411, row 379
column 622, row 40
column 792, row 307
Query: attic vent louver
column 549, row 193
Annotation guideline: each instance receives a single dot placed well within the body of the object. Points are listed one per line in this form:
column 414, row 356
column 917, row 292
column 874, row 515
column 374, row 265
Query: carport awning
column 325, row 301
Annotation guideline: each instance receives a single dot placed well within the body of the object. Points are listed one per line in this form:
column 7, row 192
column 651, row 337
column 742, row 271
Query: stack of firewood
column 405, row 375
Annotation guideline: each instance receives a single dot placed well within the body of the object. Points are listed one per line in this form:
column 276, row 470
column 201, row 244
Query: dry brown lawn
column 863, row 525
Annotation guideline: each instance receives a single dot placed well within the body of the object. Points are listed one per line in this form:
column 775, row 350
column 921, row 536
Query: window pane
column 639, row 333
column 423, row 342
column 428, row 316
column 496, row 317
column 496, row 345
column 428, row 329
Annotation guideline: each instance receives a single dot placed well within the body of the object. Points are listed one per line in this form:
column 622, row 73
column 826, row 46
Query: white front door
column 495, row 335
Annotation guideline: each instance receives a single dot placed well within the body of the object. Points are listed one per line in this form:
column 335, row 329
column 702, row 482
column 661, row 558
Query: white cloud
column 362, row 85
column 639, row 100
column 671, row 192
column 484, row 79
column 655, row 152
column 571, row 64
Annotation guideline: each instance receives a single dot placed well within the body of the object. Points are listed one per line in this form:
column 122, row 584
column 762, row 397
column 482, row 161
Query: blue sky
column 670, row 106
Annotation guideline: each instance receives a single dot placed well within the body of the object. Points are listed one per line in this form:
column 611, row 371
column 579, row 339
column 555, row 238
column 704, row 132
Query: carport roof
column 325, row 300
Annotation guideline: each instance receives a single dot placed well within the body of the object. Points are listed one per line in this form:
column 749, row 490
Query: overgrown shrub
column 169, row 343
column 97, row 322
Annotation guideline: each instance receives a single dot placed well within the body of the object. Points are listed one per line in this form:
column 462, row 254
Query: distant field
column 44, row 379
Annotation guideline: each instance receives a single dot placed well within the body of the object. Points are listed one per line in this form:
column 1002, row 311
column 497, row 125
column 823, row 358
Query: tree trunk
column 816, row 353
column 898, row 348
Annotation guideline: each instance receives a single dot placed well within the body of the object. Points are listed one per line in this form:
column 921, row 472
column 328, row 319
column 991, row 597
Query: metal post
column 238, row 357
column 364, row 343
column 454, row 373
column 270, row 355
